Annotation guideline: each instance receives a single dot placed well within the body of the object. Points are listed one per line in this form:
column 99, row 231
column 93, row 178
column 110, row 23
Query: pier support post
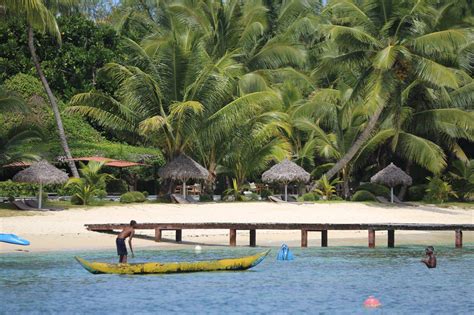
column 391, row 238
column 179, row 235
column 253, row 238
column 324, row 238
column 232, row 237
column 157, row 235
column 371, row 238
column 304, row 238
column 458, row 238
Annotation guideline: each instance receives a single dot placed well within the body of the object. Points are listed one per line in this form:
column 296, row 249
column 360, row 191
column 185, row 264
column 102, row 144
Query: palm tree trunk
column 54, row 104
column 356, row 146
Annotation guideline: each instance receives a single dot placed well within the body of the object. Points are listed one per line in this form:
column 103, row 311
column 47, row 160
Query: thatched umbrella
column 391, row 176
column 183, row 168
column 41, row 173
column 285, row 172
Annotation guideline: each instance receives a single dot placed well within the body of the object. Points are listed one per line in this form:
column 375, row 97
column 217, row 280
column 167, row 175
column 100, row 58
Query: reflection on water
column 319, row 280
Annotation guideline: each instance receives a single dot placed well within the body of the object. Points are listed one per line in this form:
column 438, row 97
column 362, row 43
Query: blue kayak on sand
column 13, row 239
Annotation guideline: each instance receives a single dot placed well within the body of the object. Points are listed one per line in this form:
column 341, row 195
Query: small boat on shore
column 13, row 239
column 229, row 264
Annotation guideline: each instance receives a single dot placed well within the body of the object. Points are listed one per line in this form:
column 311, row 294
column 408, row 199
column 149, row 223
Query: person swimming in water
column 129, row 232
column 430, row 258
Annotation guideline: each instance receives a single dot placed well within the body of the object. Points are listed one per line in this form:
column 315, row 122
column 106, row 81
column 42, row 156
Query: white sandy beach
column 52, row 231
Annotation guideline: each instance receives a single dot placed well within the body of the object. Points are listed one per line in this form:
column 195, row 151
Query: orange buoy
column 372, row 302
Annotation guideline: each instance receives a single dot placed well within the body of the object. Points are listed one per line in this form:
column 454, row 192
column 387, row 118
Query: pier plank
column 303, row 227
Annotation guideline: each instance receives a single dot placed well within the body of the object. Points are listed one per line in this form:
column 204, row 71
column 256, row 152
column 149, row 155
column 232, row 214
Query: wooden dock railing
column 303, row 227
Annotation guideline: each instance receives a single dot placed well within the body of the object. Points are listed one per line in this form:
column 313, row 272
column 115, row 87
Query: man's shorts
column 121, row 248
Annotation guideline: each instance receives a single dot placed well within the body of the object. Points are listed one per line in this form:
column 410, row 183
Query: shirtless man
column 129, row 231
column 430, row 259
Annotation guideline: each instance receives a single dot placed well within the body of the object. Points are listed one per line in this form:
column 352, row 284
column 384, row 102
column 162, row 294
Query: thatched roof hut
column 183, row 168
column 41, row 173
column 391, row 176
column 285, row 172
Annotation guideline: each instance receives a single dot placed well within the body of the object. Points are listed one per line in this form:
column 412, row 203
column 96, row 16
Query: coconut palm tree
column 391, row 47
column 15, row 144
column 39, row 16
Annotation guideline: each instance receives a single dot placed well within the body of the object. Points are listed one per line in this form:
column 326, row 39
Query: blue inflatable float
column 13, row 239
column 284, row 253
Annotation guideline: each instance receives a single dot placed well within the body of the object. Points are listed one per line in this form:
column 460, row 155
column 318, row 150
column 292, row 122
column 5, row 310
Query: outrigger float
column 229, row 264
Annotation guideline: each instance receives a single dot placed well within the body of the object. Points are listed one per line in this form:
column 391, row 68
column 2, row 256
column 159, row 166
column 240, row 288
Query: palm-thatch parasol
column 41, row 173
column 183, row 168
column 285, row 172
column 391, row 176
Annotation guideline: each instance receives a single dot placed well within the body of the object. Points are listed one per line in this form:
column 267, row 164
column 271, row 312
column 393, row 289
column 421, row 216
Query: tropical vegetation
column 342, row 88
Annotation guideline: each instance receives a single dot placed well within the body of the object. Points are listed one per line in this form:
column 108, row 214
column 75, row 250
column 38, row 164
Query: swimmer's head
column 429, row 250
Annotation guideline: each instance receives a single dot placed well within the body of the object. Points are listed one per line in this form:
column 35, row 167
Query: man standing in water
column 128, row 231
column 430, row 258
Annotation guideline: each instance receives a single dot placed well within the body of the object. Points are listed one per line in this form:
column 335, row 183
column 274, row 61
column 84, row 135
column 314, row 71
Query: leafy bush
column 116, row 186
column 253, row 197
column 75, row 200
column 265, row 193
column 416, row 193
column 326, row 188
column 133, row 196
column 206, row 197
column 9, row 188
column 438, row 191
column 14, row 189
column 375, row 189
column 363, row 195
column 308, row 197
column 91, row 184
column 145, row 193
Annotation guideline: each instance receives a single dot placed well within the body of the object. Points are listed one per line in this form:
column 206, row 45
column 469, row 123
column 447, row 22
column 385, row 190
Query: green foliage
column 309, row 197
column 416, row 193
column 132, row 196
column 266, row 193
column 86, row 46
column 145, row 193
column 438, row 191
column 76, row 200
column 206, row 198
column 116, row 186
column 462, row 178
column 375, row 189
column 327, row 189
column 234, row 192
column 251, row 197
column 91, row 184
column 10, row 188
column 363, row 195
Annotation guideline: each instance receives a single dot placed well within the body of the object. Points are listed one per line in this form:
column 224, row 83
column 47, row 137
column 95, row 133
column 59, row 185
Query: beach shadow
column 402, row 206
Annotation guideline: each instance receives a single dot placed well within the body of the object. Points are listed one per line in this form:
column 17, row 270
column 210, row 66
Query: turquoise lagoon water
column 319, row 280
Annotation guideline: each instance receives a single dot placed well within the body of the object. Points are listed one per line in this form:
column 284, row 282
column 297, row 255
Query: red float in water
column 372, row 302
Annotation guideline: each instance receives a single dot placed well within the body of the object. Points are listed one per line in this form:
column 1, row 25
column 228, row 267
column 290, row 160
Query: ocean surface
column 319, row 281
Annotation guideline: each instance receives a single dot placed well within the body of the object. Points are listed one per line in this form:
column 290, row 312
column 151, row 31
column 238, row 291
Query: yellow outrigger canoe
column 242, row 263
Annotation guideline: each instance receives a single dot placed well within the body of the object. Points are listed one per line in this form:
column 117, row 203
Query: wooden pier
column 305, row 228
